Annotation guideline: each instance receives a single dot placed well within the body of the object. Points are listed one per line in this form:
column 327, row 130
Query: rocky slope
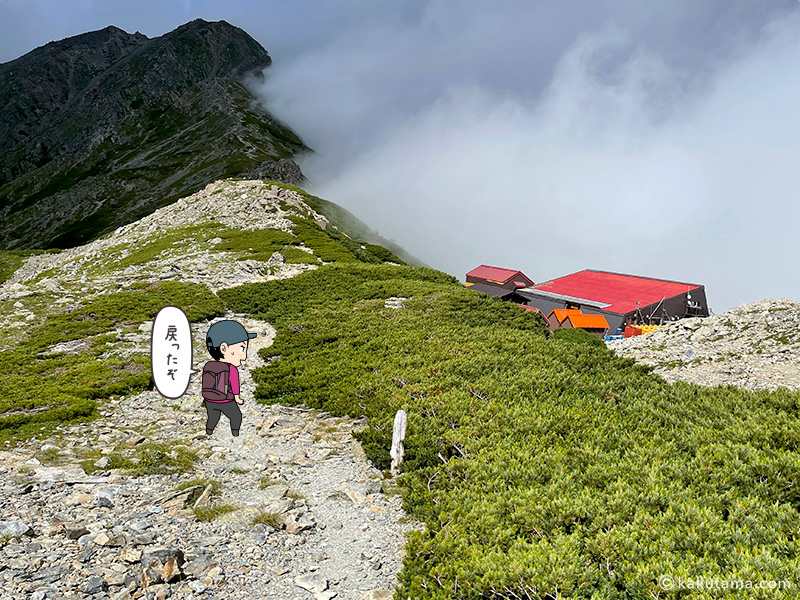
column 754, row 346
column 301, row 513
column 100, row 129
column 330, row 529
column 138, row 253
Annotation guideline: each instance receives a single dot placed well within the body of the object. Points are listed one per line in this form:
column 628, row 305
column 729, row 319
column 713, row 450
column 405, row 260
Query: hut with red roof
column 621, row 299
column 499, row 282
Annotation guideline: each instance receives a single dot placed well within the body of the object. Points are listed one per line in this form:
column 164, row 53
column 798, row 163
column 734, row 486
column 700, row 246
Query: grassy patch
column 258, row 244
column 175, row 240
column 149, row 458
column 266, row 481
column 345, row 225
column 211, row 513
column 546, row 467
column 297, row 256
column 163, row 458
column 11, row 260
column 780, row 338
column 577, row 336
column 268, row 518
column 51, row 456
column 216, row 486
column 37, row 388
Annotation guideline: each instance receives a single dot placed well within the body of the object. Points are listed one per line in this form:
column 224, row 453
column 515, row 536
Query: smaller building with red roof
column 498, row 277
column 558, row 315
column 595, row 324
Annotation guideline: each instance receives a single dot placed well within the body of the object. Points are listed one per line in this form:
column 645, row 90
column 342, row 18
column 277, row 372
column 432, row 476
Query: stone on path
column 378, row 594
column 314, row 583
column 14, row 528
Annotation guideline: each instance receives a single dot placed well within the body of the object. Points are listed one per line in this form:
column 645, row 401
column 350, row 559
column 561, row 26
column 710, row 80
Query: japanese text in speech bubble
column 171, row 352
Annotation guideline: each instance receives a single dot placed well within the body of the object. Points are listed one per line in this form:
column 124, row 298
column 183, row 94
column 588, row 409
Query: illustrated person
column 227, row 343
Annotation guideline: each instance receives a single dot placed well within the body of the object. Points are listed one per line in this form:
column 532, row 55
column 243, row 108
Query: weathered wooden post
column 398, row 435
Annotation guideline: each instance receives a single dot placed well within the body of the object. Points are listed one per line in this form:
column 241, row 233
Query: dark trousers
column 229, row 409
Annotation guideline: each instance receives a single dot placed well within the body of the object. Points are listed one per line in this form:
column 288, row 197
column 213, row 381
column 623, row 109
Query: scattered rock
column 395, row 303
column 104, row 539
column 95, row 585
column 13, row 529
column 754, row 346
column 313, row 583
column 104, row 498
column 75, row 530
column 68, row 475
column 378, row 594
column 134, row 440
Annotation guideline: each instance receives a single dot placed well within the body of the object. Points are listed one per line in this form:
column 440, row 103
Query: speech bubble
column 171, row 352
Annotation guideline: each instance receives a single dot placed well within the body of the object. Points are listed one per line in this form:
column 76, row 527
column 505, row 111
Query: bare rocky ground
column 331, row 525
column 754, row 346
column 332, row 530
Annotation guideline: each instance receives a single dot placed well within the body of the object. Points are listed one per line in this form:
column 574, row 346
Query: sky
column 652, row 138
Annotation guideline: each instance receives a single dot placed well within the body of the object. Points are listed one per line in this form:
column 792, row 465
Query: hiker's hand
column 237, row 399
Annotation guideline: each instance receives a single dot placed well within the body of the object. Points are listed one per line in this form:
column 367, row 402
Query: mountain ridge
column 100, row 129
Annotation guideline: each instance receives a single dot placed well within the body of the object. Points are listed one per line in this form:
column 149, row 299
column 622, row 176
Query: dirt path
column 330, row 531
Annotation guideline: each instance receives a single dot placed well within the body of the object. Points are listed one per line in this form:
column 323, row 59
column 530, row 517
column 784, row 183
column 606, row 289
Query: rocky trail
column 308, row 517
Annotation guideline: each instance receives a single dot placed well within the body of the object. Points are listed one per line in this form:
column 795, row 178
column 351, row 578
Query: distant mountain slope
column 100, row 129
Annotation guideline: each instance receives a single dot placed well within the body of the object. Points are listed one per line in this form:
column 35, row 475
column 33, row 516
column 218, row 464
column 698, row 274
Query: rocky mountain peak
column 102, row 128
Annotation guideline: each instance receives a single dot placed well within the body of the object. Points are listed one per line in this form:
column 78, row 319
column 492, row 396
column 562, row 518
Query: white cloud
column 621, row 163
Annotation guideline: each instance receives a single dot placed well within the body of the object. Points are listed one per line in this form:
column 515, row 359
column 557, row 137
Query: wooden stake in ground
column 398, row 435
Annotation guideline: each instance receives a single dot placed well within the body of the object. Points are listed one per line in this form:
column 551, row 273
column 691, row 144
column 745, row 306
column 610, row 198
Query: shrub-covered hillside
column 543, row 468
column 75, row 322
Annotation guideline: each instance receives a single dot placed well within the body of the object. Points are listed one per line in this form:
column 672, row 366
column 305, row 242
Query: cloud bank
column 612, row 156
column 649, row 138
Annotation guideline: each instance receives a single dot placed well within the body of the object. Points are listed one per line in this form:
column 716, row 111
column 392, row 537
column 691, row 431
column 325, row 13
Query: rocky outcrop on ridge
column 59, row 281
column 100, row 129
column 753, row 346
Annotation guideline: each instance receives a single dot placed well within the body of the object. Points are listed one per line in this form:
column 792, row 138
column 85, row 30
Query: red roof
column 621, row 292
column 498, row 274
column 530, row 308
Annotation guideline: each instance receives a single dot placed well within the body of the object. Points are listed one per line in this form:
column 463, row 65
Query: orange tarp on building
column 563, row 313
column 582, row 321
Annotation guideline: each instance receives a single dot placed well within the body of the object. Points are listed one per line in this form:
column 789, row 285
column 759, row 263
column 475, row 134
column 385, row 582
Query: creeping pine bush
column 38, row 387
column 578, row 336
column 542, row 468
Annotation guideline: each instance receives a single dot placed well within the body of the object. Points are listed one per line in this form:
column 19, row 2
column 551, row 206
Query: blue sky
column 656, row 138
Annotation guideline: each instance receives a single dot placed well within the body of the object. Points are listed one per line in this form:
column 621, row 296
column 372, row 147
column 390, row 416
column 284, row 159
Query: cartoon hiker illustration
column 227, row 343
